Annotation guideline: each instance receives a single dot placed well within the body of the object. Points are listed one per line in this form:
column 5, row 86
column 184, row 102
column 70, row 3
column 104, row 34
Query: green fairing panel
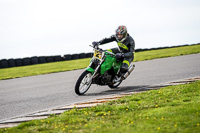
column 89, row 69
column 116, row 65
column 109, row 63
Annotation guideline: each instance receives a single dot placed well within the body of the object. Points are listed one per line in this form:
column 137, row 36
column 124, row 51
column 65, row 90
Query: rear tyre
column 83, row 83
column 115, row 85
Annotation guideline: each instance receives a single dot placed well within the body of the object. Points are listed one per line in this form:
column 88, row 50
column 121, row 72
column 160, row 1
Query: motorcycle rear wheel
column 115, row 85
column 83, row 83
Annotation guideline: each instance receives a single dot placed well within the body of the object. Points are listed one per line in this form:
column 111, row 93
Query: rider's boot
column 122, row 76
column 130, row 69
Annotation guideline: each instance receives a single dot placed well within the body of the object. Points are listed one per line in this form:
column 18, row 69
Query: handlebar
column 101, row 50
column 96, row 47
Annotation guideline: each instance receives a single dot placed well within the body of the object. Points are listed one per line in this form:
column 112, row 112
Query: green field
column 173, row 109
column 24, row 71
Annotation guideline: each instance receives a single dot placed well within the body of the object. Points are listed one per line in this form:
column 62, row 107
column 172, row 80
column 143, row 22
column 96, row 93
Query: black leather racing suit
column 126, row 46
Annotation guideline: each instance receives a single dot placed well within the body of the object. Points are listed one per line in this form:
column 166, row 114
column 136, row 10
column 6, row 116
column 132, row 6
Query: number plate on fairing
column 97, row 54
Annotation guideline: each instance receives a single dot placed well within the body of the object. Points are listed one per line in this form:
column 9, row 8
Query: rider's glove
column 95, row 43
column 119, row 55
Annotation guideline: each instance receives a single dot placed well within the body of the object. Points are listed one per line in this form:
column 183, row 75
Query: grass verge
column 169, row 109
column 24, row 71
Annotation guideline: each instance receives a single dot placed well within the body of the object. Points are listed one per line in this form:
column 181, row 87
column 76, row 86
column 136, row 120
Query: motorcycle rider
column 126, row 46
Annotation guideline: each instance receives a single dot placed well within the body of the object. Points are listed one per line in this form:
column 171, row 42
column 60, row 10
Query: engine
column 103, row 79
column 106, row 78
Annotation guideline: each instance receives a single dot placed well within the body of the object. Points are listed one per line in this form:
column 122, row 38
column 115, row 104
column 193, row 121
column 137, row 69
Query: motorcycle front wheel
column 83, row 83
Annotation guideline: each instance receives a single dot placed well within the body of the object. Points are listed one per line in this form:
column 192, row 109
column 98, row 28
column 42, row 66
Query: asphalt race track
column 26, row 95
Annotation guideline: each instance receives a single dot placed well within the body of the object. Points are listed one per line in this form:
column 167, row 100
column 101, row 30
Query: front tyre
column 83, row 83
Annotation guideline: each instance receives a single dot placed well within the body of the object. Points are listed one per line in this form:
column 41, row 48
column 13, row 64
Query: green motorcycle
column 102, row 70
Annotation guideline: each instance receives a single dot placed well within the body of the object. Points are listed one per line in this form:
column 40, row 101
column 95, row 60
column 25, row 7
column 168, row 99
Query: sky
column 58, row 27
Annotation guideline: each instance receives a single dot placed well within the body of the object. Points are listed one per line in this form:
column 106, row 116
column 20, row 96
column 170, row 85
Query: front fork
column 94, row 71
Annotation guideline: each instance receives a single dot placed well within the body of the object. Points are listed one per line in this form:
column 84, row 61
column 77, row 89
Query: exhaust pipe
column 130, row 69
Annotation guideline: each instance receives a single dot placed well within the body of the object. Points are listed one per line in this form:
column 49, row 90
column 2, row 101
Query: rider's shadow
column 126, row 89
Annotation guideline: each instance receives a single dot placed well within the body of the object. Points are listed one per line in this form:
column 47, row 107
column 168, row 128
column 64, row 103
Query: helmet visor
column 120, row 36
